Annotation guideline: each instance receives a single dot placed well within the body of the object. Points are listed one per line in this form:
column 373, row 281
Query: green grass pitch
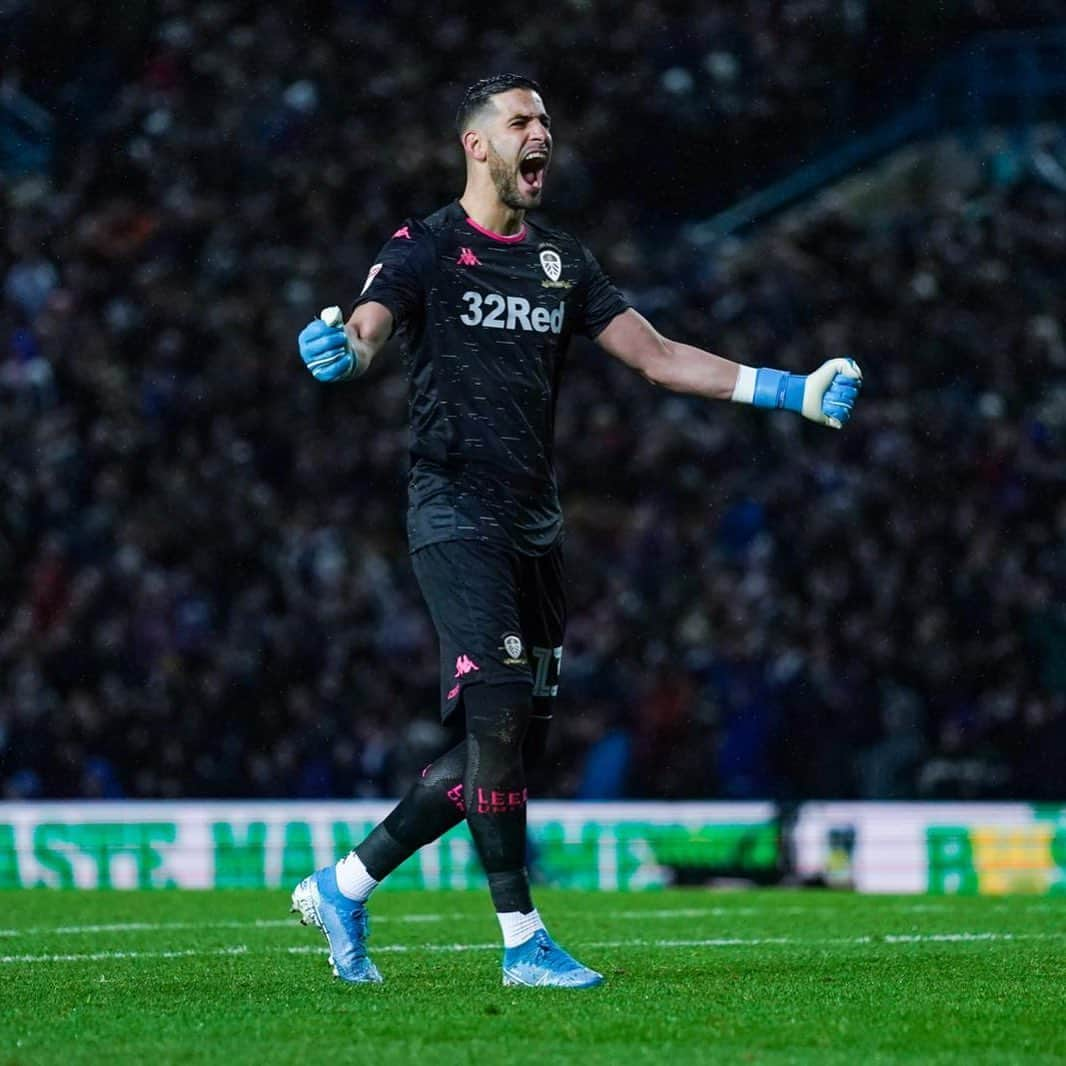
column 692, row 977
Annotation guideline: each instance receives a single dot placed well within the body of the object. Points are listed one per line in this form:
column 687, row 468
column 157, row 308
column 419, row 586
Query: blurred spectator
column 205, row 583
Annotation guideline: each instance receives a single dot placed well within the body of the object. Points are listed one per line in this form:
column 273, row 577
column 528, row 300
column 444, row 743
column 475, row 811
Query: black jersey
column 485, row 322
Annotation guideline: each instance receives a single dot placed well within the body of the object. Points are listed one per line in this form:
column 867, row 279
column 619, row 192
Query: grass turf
column 693, row 977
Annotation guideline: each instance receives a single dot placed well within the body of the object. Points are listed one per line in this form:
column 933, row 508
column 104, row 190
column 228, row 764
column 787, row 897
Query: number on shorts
column 546, row 676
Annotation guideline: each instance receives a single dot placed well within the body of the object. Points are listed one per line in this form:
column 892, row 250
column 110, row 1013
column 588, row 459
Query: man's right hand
column 326, row 352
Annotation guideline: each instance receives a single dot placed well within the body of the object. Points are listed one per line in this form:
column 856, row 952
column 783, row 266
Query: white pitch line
column 708, row 942
column 416, row 919
column 681, row 912
column 915, row 938
column 281, row 923
column 152, row 927
column 888, row 938
column 396, row 949
column 143, row 927
column 713, row 942
column 699, row 912
column 100, row 956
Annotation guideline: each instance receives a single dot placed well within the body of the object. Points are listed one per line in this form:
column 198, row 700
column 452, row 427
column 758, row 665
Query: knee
column 498, row 714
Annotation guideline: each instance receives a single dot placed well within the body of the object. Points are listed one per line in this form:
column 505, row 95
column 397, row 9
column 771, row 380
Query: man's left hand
column 829, row 394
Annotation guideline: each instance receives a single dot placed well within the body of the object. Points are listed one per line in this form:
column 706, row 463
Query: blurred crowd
column 206, row 590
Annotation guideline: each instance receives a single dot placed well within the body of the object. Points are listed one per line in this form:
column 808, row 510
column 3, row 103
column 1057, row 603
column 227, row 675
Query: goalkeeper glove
column 325, row 350
column 827, row 396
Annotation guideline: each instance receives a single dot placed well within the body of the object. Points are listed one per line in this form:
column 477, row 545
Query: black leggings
column 481, row 778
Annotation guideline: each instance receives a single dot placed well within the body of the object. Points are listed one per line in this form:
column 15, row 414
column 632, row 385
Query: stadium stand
column 174, row 549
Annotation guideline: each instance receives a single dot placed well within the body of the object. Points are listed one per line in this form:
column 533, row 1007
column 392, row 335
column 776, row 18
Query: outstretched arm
column 678, row 367
column 334, row 351
column 826, row 396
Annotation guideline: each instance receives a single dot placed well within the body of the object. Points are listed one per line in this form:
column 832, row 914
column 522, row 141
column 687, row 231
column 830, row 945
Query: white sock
column 517, row 927
column 353, row 880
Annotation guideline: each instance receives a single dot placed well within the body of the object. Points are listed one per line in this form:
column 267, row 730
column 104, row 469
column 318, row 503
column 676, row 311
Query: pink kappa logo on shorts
column 465, row 665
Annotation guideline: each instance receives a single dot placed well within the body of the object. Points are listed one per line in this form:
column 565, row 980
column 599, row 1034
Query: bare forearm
column 367, row 331
column 685, row 368
column 826, row 396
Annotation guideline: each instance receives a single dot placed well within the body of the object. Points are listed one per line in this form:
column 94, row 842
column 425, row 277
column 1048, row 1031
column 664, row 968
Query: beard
column 505, row 178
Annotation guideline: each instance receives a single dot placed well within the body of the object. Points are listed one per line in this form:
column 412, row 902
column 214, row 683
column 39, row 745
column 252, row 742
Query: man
column 486, row 303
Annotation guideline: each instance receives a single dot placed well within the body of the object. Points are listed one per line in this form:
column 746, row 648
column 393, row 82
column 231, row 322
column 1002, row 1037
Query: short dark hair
column 479, row 94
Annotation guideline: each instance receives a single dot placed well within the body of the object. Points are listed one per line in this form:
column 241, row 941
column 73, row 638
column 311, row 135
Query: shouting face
column 518, row 146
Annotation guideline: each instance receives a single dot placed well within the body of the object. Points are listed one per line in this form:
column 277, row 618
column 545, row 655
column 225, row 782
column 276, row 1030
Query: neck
column 489, row 212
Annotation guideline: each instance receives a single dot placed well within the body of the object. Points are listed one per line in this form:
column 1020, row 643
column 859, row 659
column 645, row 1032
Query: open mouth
column 531, row 171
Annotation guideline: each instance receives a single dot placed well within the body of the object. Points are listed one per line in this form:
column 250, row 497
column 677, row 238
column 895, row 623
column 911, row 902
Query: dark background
column 204, row 587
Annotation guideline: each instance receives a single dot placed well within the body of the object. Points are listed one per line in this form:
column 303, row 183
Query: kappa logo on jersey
column 371, row 274
column 551, row 263
column 493, row 311
column 403, row 231
column 467, row 258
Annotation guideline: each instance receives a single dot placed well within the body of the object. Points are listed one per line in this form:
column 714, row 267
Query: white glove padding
column 829, row 394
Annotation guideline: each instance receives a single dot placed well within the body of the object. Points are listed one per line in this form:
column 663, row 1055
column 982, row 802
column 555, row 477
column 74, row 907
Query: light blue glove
column 325, row 350
column 827, row 396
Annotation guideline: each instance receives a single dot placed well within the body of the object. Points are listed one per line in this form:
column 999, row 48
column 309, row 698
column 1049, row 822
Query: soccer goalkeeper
column 486, row 302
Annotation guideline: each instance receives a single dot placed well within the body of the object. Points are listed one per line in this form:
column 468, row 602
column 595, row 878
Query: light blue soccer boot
column 344, row 923
column 540, row 962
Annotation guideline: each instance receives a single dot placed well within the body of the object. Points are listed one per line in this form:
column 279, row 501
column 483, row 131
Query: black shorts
column 499, row 615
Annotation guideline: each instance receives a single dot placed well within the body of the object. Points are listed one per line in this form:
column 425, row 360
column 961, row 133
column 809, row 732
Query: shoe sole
column 305, row 904
column 511, row 981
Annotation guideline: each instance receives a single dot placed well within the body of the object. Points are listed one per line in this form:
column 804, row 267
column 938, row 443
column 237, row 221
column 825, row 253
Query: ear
column 475, row 146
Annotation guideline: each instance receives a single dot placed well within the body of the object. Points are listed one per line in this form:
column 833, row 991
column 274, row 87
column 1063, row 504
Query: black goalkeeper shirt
column 485, row 322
